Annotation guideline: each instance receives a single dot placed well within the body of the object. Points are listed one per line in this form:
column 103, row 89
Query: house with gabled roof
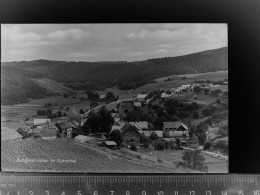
column 131, row 134
column 114, row 111
column 47, row 131
column 175, row 129
column 119, row 123
column 143, row 125
column 64, row 129
column 124, row 108
column 76, row 122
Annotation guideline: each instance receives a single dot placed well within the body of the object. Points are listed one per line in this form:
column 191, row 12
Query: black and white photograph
column 115, row 98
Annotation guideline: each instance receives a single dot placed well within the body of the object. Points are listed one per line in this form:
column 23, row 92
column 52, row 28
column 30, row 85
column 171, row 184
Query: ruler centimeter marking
column 122, row 179
column 126, row 178
column 154, row 184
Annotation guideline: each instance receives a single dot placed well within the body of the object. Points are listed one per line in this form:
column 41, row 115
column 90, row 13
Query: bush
column 197, row 89
column 47, row 105
column 193, row 159
column 207, row 145
column 116, row 137
column 172, row 145
column 201, row 138
column 208, row 111
column 206, row 91
column 133, row 147
column 81, row 111
column 145, row 145
column 175, row 118
column 223, row 131
column 221, row 145
column 153, row 136
column 159, row 145
column 166, row 145
column 59, row 114
column 193, row 142
column 65, row 95
column 145, row 141
column 159, row 160
column 196, row 115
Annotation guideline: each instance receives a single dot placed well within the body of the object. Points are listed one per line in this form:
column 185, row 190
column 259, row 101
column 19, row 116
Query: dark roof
column 126, row 104
column 127, row 126
column 174, row 125
column 76, row 122
column 122, row 115
column 63, row 125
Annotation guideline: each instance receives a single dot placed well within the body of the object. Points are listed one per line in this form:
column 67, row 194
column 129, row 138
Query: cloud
column 14, row 34
column 101, row 42
column 158, row 34
column 74, row 34
column 83, row 54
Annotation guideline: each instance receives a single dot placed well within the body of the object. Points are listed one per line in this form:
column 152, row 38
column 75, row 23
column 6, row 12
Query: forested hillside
column 17, row 87
column 125, row 75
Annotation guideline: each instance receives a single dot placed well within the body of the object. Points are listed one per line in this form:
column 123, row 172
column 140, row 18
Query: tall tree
column 100, row 122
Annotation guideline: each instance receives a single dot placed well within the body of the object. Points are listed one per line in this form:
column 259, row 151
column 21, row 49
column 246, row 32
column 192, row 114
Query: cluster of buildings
column 131, row 131
column 172, row 92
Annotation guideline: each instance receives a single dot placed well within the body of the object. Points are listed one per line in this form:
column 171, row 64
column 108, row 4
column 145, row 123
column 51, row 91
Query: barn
column 109, row 144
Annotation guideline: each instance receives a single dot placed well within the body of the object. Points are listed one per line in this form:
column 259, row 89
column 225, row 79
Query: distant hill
column 17, row 88
column 125, row 75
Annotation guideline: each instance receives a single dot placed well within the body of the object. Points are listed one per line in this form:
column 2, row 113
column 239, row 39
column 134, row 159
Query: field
column 190, row 78
column 214, row 165
column 218, row 75
column 69, row 156
column 11, row 115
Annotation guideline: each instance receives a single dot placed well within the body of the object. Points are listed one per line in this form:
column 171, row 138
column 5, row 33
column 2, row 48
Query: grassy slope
column 88, row 159
column 178, row 81
column 53, row 86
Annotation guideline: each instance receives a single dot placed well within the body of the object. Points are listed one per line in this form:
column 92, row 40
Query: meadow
column 178, row 80
column 214, row 165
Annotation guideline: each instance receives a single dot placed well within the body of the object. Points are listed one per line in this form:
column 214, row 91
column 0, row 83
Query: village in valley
column 148, row 127
column 115, row 98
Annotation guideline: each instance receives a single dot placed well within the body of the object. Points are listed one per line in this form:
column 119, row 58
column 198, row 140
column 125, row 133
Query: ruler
column 128, row 184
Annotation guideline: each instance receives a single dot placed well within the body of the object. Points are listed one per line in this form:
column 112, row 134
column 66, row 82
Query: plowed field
column 69, row 156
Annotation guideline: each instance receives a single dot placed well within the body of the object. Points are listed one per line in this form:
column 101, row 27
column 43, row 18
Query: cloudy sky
column 107, row 42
